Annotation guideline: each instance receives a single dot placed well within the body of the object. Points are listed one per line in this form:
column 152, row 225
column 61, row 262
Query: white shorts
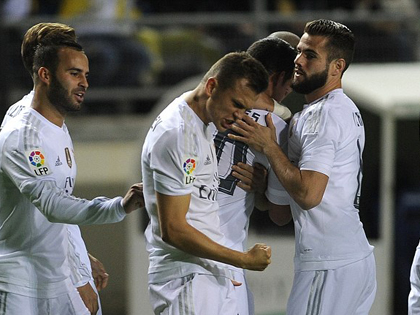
column 67, row 304
column 244, row 296
column 195, row 294
column 349, row 290
column 414, row 296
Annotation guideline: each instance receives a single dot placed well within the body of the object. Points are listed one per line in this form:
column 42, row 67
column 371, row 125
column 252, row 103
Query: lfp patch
column 37, row 163
column 189, row 167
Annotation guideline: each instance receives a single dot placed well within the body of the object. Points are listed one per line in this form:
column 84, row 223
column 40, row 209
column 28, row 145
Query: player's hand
column 134, row 198
column 99, row 273
column 251, row 178
column 253, row 134
column 89, row 297
column 258, row 257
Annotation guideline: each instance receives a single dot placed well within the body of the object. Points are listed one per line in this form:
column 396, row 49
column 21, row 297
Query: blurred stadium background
column 144, row 53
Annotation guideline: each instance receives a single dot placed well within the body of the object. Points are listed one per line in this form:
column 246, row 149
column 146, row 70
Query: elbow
column 280, row 214
column 169, row 236
column 308, row 203
column 166, row 237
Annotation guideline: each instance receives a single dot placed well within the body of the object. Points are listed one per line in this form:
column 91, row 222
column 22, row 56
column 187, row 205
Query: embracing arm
column 177, row 232
column 305, row 187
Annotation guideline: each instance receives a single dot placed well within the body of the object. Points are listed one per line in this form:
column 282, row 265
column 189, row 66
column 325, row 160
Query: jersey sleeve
column 174, row 163
column 54, row 203
column 319, row 142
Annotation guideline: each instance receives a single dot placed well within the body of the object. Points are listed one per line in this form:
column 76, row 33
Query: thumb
column 269, row 121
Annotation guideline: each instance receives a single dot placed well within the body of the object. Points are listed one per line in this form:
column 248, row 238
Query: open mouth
column 80, row 96
column 227, row 123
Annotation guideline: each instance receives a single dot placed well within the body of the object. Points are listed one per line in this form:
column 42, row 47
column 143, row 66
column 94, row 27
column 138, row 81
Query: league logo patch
column 36, row 158
column 189, row 167
column 38, row 163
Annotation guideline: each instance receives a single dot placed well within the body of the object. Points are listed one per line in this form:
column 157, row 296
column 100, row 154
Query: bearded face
column 60, row 97
column 310, row 83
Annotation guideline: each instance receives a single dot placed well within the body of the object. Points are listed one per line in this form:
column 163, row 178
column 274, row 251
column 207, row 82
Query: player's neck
column 197, row 103
column 324, row 90
column 42, row 105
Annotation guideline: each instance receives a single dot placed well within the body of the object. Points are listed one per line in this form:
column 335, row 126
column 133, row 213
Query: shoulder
column 259, row 115
column 22, row 131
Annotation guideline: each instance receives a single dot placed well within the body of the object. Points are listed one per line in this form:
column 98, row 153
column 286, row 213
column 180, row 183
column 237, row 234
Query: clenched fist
column 258, row 257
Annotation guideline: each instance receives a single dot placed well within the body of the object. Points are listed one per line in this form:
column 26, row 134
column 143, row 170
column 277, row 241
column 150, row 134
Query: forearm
column 57, row 206
column 290, row 176
column 190, row 240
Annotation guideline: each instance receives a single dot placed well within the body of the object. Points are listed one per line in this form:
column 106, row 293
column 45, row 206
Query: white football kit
column 414, row 296
column 327, row 136
column 80, row 268
column 235, row 204
column 178, row 158
column 37, row 173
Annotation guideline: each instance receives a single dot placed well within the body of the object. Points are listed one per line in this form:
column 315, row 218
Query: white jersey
column 81, row 271
column 235, row 204
column 178, row 159
column 328, row 136
column 37, row 171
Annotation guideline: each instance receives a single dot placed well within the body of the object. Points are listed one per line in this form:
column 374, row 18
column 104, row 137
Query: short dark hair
column 341, row 39
column 45, row 34
column 47, row 55
column 275, row 54
column 239, row 65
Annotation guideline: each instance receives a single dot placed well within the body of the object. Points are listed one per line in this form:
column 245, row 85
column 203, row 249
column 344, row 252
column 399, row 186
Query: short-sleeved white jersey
column 235, row 204
column 178, row 158
column 81, row 270
column 37, row 172
column 328, row 136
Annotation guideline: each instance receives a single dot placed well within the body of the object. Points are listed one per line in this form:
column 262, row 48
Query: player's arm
column 89, row 297
column 305, row 187
column 253, row 179
column 176, row 231
column 99, row 274
column 58, row 206
column 279, row 214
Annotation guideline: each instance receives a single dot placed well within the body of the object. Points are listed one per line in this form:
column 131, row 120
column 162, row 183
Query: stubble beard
column 311, row 83
column 60, row 98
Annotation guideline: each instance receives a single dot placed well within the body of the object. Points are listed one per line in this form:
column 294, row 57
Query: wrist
column 269, row 148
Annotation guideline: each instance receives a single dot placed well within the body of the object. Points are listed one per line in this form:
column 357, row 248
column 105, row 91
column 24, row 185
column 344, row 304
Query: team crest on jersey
column 38, row 163
column 68, row 157
column 189, row 167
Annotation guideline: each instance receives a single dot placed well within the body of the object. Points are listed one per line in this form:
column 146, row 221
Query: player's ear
column 338, row 67
column 210, row 85
column 44, row 75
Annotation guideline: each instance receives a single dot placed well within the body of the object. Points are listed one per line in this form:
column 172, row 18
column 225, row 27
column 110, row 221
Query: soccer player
column 187, row 271
column 37, row 174
column 236, row 204
column 334, row 263
column 82, row 275
column 414, row 296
